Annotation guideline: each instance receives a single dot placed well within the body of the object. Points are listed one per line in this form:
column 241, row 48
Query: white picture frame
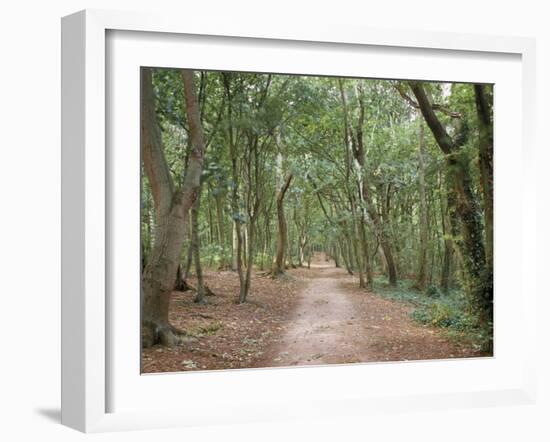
column 87, row 207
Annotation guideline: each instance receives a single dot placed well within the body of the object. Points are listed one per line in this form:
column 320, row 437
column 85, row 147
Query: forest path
column 336, row 322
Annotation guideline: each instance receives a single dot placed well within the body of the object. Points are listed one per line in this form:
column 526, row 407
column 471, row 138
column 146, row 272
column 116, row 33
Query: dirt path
column 315, row 316
column 335, row 322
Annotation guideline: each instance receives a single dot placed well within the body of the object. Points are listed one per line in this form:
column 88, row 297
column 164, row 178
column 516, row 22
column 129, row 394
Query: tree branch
column 441, row 136
column 435, row 106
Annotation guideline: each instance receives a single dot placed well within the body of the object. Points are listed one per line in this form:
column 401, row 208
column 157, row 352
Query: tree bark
column 221, row 233
column 183, row 273
column 245, row 288
column 423, row 224
column 345, row 256
column 448, row 246
column 172, row 207
column 356, row 238
column 485, row 123
column 279, row 265
column 196, row 247
column 237, row 263
column 234, row 246
column 289, row 241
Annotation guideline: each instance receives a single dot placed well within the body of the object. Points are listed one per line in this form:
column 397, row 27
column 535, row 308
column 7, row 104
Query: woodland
column 289, row 220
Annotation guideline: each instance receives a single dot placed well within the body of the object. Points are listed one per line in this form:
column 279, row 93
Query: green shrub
column 444, row 314
column 435, row 315
column 435, row 309
column 433, row 291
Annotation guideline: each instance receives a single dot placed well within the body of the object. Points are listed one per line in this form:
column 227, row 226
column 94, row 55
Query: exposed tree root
column 276, row 274
column 161, row 334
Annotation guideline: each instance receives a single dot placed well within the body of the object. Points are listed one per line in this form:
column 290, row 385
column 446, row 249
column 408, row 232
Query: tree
column 172, row 205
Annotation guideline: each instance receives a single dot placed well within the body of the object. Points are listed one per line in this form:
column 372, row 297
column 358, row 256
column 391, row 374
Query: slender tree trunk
column 183, row 273
column 448, row 248
column 289, row 242
column 181, row 279
column 345, row 257
column 196, row 247
column 389, row 262
column 366, row 254
column 336, row 254
column 245, row 288
column 244, row 249
column 235, row 246
column 279, row 265
column 303, row 246
column 384, row 226
column 357, row 251
column 264, row 251
column 485, row 123
column 237, row 263
column 423, row 225
column 237, row 235
column 267, row 239
column 351, row 261
column 221, row 232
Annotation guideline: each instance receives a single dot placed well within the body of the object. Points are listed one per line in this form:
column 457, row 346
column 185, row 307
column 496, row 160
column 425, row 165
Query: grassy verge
column 436, row 309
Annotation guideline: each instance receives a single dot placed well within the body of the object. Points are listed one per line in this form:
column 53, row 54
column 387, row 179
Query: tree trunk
column 357, row 251
column 279, row 265
column 245, row 288
column 289, row 241
column 345, row 257
column 221, row 233
column 448, row 248
column 303, row 248
column 423, row 221
column 196, row 247
column 244, row 248
column 384, row 224
column 336, row 253
column 485, row 123
column 182, row 274
column 235, row 244
column 349, row 250
column 366, row 254
column 181, row 280
column 172, row 207
column 237, row 263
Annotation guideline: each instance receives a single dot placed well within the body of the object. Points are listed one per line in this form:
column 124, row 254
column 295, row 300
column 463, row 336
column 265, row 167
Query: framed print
column 278, row 223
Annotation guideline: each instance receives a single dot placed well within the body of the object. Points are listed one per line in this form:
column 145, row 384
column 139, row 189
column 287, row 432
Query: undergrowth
column 434, row 308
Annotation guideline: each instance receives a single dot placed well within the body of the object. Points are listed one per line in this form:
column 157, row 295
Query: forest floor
column 309, row 317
